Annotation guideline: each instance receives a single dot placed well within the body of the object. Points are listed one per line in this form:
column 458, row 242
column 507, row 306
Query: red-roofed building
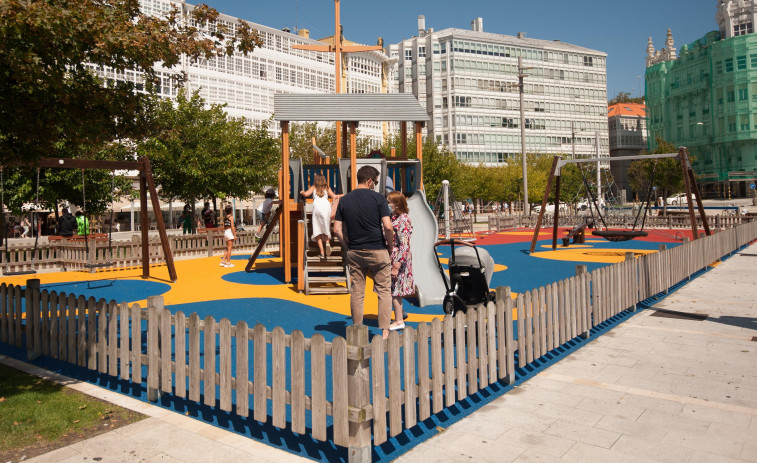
column 627, row 124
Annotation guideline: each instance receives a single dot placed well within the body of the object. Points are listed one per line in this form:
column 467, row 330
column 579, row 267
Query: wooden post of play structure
column 419, row 151
column 697, row 195
column 145, row 224
column 284, row 232
column 403, row 138
column 684, row 160
column 544, row 204
column 555, row 226
column 167, row 254
column 337, row 49
column 353, row 153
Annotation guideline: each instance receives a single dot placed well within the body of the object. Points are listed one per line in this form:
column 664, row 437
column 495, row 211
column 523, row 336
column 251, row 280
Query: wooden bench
column 205, row 230
column 79, row 238
column 578, row 234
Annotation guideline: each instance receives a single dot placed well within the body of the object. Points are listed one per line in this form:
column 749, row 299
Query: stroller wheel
column 453, row 304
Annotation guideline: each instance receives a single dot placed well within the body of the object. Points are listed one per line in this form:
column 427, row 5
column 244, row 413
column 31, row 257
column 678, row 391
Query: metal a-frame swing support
column 689, row 181
column 146, row 183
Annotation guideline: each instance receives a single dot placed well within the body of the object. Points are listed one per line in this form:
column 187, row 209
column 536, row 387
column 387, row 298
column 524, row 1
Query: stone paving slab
column 653, row 389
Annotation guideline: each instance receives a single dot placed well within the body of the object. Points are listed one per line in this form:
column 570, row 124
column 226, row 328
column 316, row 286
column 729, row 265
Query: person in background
column 82, row 224
column 321, row 213
column 402, row 259
column 264, row 211
column 208, row 216
column 186, row 219
column 360, row 217
column 66, row 223
column 26, row 226
column 389, row 185
column 229, row 234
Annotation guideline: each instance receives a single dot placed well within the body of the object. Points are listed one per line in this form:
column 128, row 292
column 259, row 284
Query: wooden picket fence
column 413, row 374
column 72, row 255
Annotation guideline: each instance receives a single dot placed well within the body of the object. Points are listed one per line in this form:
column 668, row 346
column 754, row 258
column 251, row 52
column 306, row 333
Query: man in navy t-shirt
column 364, row 227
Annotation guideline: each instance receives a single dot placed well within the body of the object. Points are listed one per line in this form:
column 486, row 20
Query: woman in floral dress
column 402, row 259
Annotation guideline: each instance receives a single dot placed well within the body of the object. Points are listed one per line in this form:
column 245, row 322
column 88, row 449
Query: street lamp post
column 526, row 206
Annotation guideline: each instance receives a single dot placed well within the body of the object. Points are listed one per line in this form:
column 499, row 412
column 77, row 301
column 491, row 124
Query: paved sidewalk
column 653, row 389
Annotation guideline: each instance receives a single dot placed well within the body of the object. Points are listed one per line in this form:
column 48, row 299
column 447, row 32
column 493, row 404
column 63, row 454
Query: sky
column 618, row 28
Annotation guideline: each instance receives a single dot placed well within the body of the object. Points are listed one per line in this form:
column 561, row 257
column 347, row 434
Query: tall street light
column 526, row 206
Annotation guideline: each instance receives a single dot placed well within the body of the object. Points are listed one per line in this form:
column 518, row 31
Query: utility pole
column 599, row 172
column 572, row 140
column 526, row 207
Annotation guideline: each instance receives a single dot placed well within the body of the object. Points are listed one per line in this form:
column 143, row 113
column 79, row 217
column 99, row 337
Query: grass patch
column 37, row 416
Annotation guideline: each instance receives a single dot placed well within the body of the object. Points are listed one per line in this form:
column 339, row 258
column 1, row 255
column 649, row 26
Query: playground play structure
column 146, row 183
column 691, row 190
column 315, row 276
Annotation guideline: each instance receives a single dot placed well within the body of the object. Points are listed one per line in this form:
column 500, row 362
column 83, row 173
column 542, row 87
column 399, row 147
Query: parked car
column 550, row 209
column 678, row 198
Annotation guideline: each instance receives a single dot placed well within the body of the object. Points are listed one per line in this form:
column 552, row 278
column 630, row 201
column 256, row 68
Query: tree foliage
column 301, row 141
column 667, row 172
column 625, row 97
column 52, row 102
column 200, row 153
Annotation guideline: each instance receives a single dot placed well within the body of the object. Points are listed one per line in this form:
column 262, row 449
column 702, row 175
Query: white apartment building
column 468, row 81
column 247, row 84
column 627, row 124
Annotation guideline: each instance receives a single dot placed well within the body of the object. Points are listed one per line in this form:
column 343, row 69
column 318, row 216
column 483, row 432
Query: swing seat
column 100, row 265
column 619, row 235
column 22, row 272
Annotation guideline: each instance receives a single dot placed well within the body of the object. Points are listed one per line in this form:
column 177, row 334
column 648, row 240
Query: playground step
column 321, row 267
column 332, row 259
column 333, row 279
column 329, row 290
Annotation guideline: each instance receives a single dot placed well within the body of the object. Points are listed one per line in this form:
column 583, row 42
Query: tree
column 51, row 100
column 667, row 173
column 200, row 153
column 625, row 97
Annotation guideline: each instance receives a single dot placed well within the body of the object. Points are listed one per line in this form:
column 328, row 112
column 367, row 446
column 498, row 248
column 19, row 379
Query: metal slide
column 428, row 279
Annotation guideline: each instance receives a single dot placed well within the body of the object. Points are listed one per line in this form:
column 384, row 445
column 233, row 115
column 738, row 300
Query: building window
column 421, row 52
column 719, row 67
column 730, row 95
column 743, row 94
column 744, row 122
column 742, row 29
column 753, row 59
column 588, row 61
column 408, row 55
column 741, row 62
column 729, row 65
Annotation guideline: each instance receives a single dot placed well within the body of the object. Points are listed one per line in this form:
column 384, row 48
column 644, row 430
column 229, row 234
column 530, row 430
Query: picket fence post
column 580, row 270
column 154, row 307
column 33, row 334
column 359, row 393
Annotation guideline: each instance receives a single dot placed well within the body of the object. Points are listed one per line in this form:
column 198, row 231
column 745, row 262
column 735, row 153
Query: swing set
column 621, row 234
column 146, row 183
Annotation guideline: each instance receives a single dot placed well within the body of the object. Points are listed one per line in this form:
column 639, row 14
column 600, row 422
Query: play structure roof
column 348, row 107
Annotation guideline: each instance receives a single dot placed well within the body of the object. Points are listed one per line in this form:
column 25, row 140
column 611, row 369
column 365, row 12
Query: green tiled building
column 705, row 98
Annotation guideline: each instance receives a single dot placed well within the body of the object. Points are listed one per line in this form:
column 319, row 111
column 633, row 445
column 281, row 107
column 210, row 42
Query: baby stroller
column 470, row 272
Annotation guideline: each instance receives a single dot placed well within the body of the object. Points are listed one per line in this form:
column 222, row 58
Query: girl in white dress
column 321, row 213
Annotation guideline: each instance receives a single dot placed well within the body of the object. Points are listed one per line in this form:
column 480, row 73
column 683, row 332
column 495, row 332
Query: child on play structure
column 401, row 257
column 229, row 234
column 321, row 213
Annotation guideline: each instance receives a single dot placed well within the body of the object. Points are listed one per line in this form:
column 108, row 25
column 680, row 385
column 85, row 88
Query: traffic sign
column 751, row 186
